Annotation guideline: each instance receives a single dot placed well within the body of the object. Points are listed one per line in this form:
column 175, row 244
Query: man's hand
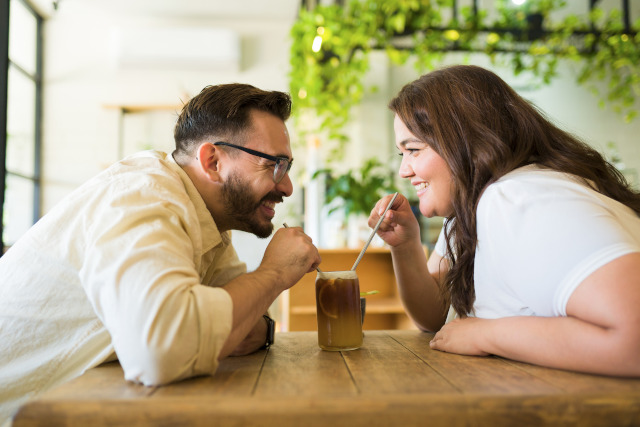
column 256, row 338
column 290, row 255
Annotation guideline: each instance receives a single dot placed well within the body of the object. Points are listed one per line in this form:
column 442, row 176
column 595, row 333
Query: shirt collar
column 211, row 236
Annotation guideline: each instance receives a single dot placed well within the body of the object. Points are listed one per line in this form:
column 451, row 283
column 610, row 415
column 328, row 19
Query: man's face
column 249, row 212
column 249, row 190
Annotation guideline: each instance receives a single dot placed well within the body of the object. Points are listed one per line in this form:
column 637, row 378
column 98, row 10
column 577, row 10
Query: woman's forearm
column 418, row 290
column 562, row 342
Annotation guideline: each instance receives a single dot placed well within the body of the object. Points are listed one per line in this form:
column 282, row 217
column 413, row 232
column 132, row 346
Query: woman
column 540, row 252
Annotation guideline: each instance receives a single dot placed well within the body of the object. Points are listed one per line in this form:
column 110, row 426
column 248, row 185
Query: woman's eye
column 410, row 151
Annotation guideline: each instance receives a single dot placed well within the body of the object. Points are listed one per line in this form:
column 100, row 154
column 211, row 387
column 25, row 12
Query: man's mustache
column 272, row 197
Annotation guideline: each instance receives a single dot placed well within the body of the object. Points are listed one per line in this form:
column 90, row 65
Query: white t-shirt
column 540, row 234
column 120, row 265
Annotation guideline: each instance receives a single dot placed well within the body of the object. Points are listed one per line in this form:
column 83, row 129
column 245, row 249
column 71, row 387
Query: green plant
column 329, row 54
column 357, row 190
column 614, row 58
column 331, row 44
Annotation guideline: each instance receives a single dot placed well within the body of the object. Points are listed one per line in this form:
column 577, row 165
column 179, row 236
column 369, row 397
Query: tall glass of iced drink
column 338, row 309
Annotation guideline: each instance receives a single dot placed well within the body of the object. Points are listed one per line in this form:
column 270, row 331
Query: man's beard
column 241, row 207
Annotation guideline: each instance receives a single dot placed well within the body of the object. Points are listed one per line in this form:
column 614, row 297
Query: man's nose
column 285, row 186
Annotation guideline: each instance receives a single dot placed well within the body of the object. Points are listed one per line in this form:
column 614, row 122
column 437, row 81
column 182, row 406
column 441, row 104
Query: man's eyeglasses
column 282, row 166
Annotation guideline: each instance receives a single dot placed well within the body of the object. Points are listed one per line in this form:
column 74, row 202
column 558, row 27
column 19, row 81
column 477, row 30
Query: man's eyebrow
column 283, row 156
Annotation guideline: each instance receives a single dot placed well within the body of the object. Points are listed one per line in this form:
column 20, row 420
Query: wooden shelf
column 375, row 272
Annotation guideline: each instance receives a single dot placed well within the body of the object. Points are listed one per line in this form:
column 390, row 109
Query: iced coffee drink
column 338, row 309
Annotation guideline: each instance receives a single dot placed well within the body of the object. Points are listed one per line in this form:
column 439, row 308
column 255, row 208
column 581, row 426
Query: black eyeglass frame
column 279, row 160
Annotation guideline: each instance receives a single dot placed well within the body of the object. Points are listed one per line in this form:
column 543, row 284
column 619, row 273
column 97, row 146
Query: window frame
column 36, row 77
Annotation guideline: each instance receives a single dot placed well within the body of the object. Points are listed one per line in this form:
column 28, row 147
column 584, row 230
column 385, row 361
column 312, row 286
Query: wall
column 81, row 81
column 81, row 132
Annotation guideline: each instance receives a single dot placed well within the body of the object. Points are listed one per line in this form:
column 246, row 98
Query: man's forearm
column 252, row 295
column 255, row 339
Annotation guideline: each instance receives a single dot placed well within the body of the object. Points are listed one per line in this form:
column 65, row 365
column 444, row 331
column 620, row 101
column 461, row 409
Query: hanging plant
column 329, row 54
column 331, row 44
column 614, row 57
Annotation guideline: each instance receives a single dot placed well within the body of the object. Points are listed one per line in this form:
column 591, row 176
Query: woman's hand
column 399, row 225
column 461, row 336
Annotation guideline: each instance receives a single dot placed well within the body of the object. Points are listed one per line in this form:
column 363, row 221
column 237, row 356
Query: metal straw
column 286, row 226
column 373, row 233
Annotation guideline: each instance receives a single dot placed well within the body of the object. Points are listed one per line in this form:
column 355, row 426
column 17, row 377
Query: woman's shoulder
column 532, row 182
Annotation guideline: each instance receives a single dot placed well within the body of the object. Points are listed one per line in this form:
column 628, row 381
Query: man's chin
column 261, row 229
column 264, row 232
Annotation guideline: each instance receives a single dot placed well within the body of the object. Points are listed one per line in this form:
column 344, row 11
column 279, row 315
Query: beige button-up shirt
column 129, row 266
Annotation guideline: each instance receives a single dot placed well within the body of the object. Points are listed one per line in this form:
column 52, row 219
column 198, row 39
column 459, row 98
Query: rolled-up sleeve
column 141, row 275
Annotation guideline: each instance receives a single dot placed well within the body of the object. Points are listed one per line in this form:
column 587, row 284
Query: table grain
column 394, row 379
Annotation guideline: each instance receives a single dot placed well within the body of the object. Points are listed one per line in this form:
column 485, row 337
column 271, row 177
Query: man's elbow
column 155, row 367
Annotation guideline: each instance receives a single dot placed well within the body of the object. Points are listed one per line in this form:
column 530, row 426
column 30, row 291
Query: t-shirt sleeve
column 543, row 244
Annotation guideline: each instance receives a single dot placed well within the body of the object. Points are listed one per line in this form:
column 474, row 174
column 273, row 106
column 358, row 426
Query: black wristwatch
column 271, row 331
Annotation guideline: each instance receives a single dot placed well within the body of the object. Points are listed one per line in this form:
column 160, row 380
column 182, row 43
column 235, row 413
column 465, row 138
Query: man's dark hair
column 222, row 112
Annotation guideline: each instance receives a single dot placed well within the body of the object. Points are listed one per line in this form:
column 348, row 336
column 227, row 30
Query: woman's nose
column 405, row 170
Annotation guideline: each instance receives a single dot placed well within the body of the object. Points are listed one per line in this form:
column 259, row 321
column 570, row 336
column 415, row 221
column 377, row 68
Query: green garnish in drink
column 364, row 294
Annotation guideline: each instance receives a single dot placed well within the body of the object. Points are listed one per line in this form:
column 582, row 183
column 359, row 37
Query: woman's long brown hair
column 483, row 130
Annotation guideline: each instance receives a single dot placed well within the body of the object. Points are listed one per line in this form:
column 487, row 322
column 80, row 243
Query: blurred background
column 84, row 83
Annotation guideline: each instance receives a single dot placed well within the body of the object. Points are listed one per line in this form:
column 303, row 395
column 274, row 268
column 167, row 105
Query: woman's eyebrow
column 404, row 142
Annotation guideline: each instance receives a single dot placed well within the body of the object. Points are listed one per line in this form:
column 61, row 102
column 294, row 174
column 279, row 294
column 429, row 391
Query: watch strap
column 271, row 331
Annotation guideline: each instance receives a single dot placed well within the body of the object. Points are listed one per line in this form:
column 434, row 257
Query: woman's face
column 427, row 171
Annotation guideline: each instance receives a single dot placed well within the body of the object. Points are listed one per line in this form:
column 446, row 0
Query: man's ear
column 208, row 160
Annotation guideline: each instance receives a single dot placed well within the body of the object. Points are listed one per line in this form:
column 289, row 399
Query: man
column 137, row 263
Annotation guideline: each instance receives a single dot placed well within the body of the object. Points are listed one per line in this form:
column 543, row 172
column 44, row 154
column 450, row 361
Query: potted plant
column 355, row 192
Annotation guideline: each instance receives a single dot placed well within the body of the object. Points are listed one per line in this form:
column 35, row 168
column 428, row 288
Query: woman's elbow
column 626, row 350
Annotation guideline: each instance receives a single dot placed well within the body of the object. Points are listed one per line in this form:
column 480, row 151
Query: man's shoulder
column 145, row 169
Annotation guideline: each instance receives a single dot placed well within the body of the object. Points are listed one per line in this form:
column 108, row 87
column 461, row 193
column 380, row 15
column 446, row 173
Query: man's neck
column 209, row 191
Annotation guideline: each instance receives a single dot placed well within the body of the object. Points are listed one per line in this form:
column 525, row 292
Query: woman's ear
column 208, row 160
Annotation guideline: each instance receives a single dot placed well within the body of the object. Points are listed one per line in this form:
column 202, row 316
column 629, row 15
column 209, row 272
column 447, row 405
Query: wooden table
column 394, row 379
